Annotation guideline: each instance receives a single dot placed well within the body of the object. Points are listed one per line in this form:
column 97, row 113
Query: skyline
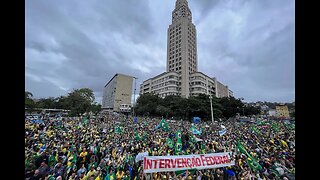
column 247, row 45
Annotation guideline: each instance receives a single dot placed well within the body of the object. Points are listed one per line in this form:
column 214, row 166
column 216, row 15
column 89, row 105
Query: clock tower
column 182, row 45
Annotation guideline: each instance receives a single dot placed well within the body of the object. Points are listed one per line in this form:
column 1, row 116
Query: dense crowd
column 106, row 148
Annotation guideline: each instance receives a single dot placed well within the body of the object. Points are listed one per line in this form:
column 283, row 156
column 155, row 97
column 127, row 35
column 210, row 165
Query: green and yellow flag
column 169, row 142
column 163, row 124
column 253, row 164
column 178, row 146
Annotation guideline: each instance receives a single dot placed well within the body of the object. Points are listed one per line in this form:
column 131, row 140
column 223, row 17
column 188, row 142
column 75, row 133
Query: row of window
column 175, row 56
column 175, row 60
column 198, row 89
column 166, row 78
column 177, row 71
column 177, row 33
column 172, row 42
column 171, row 50
column 177, row 46
column 167, row 94
column 175, row 28
column 192, row 43
column 172, row 65
column 172, row 68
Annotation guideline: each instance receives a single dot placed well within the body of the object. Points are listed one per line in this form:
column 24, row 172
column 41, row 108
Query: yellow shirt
column 91, row 173
column 119, row 175
column 83, row 154
column 284, row 144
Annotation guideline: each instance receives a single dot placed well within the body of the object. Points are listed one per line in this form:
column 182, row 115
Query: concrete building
column 222, row 90
column 182, row 77
column 117, row 93
column 272, row 112
column 282, row 111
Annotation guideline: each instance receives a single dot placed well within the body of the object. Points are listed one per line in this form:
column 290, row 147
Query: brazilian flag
column 178, row 147
column 253, row 164
column 241, row 148
column 163, row 125
column 169, row 142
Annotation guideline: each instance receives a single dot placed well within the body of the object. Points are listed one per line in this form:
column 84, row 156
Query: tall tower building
column 182, row 45
column 182, row 77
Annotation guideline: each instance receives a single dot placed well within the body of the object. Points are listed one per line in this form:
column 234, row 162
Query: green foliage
column 46, row 103
column 250, row 110
column 28, row 101
column 186, row 108
column 231, row 106
column 95, row 108
column 78, row 102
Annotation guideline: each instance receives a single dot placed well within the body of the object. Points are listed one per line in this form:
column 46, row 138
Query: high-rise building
column 117, row 93
column 182, row 76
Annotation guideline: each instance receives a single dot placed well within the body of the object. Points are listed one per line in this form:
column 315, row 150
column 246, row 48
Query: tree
column 79, row 101
column 147, row 104
column 28, row 101
column 251, row 110
column 231, row 106
column 48, row 103
column 95, row 108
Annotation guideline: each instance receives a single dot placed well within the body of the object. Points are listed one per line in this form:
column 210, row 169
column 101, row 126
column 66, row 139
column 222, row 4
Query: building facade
column 182, row 77
column 282, row 111
column 117, row 92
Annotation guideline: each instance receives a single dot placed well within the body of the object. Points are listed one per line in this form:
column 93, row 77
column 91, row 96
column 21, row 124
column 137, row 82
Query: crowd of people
column 105, row 148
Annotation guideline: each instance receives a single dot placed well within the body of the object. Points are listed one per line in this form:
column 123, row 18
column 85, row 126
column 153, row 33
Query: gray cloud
column 247, row 44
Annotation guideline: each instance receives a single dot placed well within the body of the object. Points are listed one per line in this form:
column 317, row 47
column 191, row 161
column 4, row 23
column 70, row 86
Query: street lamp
column 134, row 94
column 210, row 97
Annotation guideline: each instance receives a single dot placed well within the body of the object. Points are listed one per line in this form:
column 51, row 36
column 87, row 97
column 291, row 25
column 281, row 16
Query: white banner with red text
column 195, row 161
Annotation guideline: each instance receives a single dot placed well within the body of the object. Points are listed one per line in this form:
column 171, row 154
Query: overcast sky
column 246, row 44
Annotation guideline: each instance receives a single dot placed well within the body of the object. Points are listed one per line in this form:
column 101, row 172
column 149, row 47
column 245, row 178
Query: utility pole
column 134, row 95
column 210, row 97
